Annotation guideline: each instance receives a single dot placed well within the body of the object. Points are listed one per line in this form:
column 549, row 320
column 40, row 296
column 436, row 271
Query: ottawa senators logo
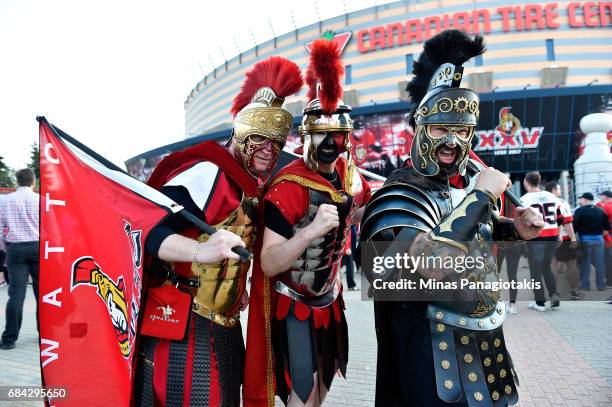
column 508, row 123
column 85, row 271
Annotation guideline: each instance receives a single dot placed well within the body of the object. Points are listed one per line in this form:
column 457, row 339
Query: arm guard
column 460, row 225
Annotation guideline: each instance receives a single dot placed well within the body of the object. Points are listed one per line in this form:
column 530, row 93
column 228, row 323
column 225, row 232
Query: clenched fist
column 528, row 223
column 325, row 220
column 493, row 181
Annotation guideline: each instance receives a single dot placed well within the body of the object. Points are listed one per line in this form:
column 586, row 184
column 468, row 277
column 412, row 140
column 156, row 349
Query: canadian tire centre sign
column 526, row 17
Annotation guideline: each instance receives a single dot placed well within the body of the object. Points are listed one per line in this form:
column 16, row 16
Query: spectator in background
column 3, row 271
column 565, row 256
column 540, row 251
column 19, row 216
column 606, row 205
column 512, row 253
column 590, row 222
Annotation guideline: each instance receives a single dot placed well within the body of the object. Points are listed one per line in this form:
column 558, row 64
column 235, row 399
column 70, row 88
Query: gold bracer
column 222, row 284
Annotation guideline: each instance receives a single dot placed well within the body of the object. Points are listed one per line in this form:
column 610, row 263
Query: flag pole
column 507, row 193
column 244, row 254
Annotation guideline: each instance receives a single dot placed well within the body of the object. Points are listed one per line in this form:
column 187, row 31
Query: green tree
column 34, row 163
column 6, row 175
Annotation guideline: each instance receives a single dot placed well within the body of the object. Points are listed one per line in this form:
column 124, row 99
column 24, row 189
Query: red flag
column 94, row 221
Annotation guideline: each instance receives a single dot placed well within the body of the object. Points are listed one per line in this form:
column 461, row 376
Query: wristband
column 489, row 194
column 196, row 249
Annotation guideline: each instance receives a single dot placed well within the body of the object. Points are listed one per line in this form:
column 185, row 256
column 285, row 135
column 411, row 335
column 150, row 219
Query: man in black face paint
column 308, row 212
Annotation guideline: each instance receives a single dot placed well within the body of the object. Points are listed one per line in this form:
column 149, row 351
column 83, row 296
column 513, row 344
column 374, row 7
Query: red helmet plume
column 325, row 68
column 279, row 74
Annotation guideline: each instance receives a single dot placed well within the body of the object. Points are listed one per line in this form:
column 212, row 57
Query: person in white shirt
column 540, row 250
column 565, row 256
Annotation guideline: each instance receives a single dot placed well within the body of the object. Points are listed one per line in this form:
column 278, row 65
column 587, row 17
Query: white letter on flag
column 47, row 351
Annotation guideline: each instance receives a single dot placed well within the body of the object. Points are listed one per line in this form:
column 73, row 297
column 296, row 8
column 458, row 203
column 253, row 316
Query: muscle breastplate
column 314, row 273
column 222, row 284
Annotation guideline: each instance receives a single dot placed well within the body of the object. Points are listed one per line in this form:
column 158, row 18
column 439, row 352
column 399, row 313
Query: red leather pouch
column 166, row 313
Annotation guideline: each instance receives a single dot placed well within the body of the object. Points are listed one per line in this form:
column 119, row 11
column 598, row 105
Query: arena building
column 547, row 65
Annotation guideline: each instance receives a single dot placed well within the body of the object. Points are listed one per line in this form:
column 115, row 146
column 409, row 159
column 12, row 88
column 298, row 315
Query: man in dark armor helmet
column 450, row 351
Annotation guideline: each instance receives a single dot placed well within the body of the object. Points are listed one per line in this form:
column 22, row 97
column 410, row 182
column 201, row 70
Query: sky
column 114, row 74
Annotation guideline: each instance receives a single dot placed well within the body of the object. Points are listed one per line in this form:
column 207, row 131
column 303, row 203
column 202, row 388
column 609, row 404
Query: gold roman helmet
column 261, row 125
column 326, row 118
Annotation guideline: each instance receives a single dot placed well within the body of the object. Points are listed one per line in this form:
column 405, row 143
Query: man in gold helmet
column 222, row 186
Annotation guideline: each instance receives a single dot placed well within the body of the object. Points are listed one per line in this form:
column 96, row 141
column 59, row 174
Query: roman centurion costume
column 222, row 186
column 449, row 351
column 301, row 339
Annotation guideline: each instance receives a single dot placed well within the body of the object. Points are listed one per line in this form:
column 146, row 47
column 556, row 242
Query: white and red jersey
column 568, row 217
column 549, row 207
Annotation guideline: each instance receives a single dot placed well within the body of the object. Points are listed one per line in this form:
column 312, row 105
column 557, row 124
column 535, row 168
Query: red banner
column 92, row 234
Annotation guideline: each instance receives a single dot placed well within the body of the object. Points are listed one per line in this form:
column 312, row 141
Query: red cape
column 211, row 151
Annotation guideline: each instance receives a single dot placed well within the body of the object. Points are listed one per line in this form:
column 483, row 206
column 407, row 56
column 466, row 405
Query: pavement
column 563, row 357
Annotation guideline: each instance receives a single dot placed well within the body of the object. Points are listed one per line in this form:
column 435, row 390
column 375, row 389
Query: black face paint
column 328, row 143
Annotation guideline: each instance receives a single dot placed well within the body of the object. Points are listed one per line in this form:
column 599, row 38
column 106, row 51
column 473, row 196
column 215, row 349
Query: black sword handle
column 245, row 255
column 513, row 198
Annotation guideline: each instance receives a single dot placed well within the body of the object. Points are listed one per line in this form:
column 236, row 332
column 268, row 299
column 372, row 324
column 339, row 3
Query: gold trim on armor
column 268, row 327
column 448, row 241
column 445, row 105
column 211, row 315
column 335, row 195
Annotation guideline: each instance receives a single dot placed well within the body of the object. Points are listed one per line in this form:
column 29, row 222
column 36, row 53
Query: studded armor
column 467, row 339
